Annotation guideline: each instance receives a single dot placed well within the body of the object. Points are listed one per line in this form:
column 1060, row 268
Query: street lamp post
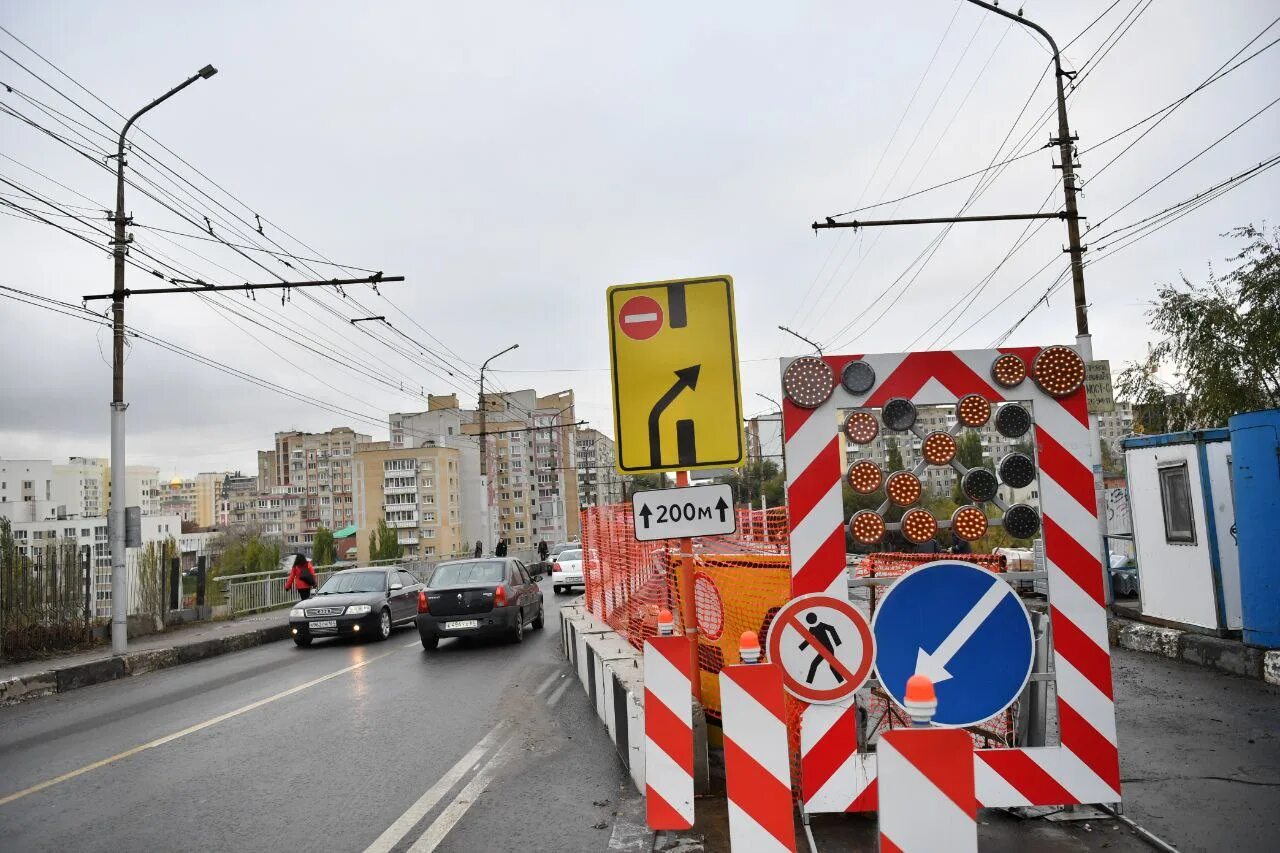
column 484, row 445
column 120, row 248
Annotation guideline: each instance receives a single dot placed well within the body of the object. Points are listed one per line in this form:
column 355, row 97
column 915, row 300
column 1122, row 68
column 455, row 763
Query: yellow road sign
column 673, row 347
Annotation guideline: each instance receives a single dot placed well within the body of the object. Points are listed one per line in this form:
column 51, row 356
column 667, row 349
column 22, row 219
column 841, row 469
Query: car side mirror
column 395, row 585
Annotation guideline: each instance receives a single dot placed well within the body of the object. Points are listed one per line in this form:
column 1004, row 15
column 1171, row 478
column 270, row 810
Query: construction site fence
column 740, row 581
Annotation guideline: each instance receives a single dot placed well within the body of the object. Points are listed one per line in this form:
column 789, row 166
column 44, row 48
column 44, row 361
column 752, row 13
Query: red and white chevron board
column 1085, row 767
column 668, row 733
column 757, row 763
column 927, row 773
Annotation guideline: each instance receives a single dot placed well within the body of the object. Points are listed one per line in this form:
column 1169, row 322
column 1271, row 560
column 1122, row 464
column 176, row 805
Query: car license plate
column 324, row 623
column 465, row 623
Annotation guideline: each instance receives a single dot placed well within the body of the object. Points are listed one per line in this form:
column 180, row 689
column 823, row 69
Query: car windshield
column 571, row 554
column 354, row 582
column 457, row 574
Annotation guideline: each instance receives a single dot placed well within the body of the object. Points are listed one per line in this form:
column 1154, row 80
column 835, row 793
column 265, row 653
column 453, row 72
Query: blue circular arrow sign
column 962, row 626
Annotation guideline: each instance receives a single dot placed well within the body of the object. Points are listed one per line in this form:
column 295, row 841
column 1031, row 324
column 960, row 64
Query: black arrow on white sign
column 645, row 512
column 723, row 507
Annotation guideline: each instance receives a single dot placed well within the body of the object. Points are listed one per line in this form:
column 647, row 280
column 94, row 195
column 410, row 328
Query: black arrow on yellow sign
column 685, row 445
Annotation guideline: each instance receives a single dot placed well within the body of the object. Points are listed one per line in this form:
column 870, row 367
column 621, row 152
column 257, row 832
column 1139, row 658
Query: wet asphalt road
column 229, row 763
column 492, row 746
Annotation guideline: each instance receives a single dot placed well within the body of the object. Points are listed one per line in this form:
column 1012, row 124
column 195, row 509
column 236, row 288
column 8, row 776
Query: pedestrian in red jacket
column 302, row 577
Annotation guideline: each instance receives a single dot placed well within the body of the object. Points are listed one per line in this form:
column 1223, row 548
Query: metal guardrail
column 259, row 591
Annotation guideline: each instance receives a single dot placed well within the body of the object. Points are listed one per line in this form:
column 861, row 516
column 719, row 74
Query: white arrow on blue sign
column 962, row 626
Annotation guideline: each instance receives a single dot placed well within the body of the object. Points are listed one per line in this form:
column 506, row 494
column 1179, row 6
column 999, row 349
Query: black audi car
column 485, row 597
column 357, row 602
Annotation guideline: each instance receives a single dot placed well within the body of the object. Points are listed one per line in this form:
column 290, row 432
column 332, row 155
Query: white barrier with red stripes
column 668, row 731
column 1085, row 767
column 927, row 800
column 757, row 763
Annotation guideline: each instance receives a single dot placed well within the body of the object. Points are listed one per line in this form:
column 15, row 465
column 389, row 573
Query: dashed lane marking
column 452, row 813
column 416, row 812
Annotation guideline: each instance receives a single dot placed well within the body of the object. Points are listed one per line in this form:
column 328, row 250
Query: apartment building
column 80, row 486
column 37, row 489
column 316, row 466
column 417, row 491
column 178, row 497
column 530, row 492
column 599, row 482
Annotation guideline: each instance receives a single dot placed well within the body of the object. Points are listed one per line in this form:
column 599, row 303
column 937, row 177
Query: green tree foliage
column 894, row 455
column 322, row 549
column 755, row 479
column 244, row 552
column 153, row 568
column 1221, row 340
column 41, row 597
column 384, row 545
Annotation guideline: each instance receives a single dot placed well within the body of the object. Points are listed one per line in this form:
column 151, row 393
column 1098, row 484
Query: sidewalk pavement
column 182, row 644
column 1229, row 656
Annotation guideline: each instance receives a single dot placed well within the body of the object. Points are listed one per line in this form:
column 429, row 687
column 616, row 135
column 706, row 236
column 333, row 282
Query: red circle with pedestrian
column 640, row 318
column 824, row 647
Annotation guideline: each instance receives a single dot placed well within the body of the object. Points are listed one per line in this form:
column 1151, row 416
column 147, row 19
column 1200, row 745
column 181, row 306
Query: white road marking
column 557, row 693
column 391, row 837
column 169, row 738
column 452, row 813
column 630, row 837
column 639, row 318
column 414, row 643
column 546, row 684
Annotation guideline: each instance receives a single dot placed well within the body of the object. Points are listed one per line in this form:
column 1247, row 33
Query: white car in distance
column 566, row 570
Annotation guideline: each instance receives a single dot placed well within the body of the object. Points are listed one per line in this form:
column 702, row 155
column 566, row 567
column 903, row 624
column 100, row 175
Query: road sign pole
column 688, row 607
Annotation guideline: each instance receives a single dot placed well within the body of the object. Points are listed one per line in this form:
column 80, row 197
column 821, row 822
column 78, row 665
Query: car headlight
column 357, row 609
column 296, row 613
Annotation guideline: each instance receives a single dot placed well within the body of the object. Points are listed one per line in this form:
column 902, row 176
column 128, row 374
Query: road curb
column 1229, row 656
column 63, row 679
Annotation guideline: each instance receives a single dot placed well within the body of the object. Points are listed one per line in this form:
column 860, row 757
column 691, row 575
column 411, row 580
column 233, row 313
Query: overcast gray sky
column 513, row 160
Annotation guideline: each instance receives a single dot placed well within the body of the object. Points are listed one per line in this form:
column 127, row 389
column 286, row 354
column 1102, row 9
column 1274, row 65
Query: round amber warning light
column 1017, row 470
column 808, row 382
column 866, row 527
column 1009, row 370
column 938, row 448
column 1059, row 371
column 979, row 485
column 903, row 488
column 1013, row 421
column 969, row 523
column 899, row 414
column 919, row 526
column 973, row 410
column 858, row 377
column 864, row 477
column 861, row 427
column 1021, row 521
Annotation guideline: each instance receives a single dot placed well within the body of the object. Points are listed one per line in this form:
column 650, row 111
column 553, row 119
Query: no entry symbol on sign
column 640, row 317
column 825, row 648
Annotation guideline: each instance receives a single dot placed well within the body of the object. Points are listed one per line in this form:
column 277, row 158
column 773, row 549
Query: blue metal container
column 1255, row 476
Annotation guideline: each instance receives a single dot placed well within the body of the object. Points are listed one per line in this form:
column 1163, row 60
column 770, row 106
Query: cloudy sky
column 513, row 160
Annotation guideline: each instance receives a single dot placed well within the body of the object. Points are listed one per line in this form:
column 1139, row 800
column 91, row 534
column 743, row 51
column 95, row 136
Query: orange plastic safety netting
column 739, row 581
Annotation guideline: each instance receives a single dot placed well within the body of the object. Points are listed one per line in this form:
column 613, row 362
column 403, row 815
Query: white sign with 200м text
column 687, row 511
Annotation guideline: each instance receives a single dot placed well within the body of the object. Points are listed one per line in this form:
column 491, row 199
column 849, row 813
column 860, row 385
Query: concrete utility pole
column 484, row 444
column 120, row 247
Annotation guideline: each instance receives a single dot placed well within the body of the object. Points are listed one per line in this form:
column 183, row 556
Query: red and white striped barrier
column 927, row 800
column 1085, row 767
column 668, row 733
column 757, row 762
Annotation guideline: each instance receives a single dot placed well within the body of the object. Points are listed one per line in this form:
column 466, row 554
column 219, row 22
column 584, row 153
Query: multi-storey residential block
column 598, row 480
column 317, row 467
column 417, row 491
